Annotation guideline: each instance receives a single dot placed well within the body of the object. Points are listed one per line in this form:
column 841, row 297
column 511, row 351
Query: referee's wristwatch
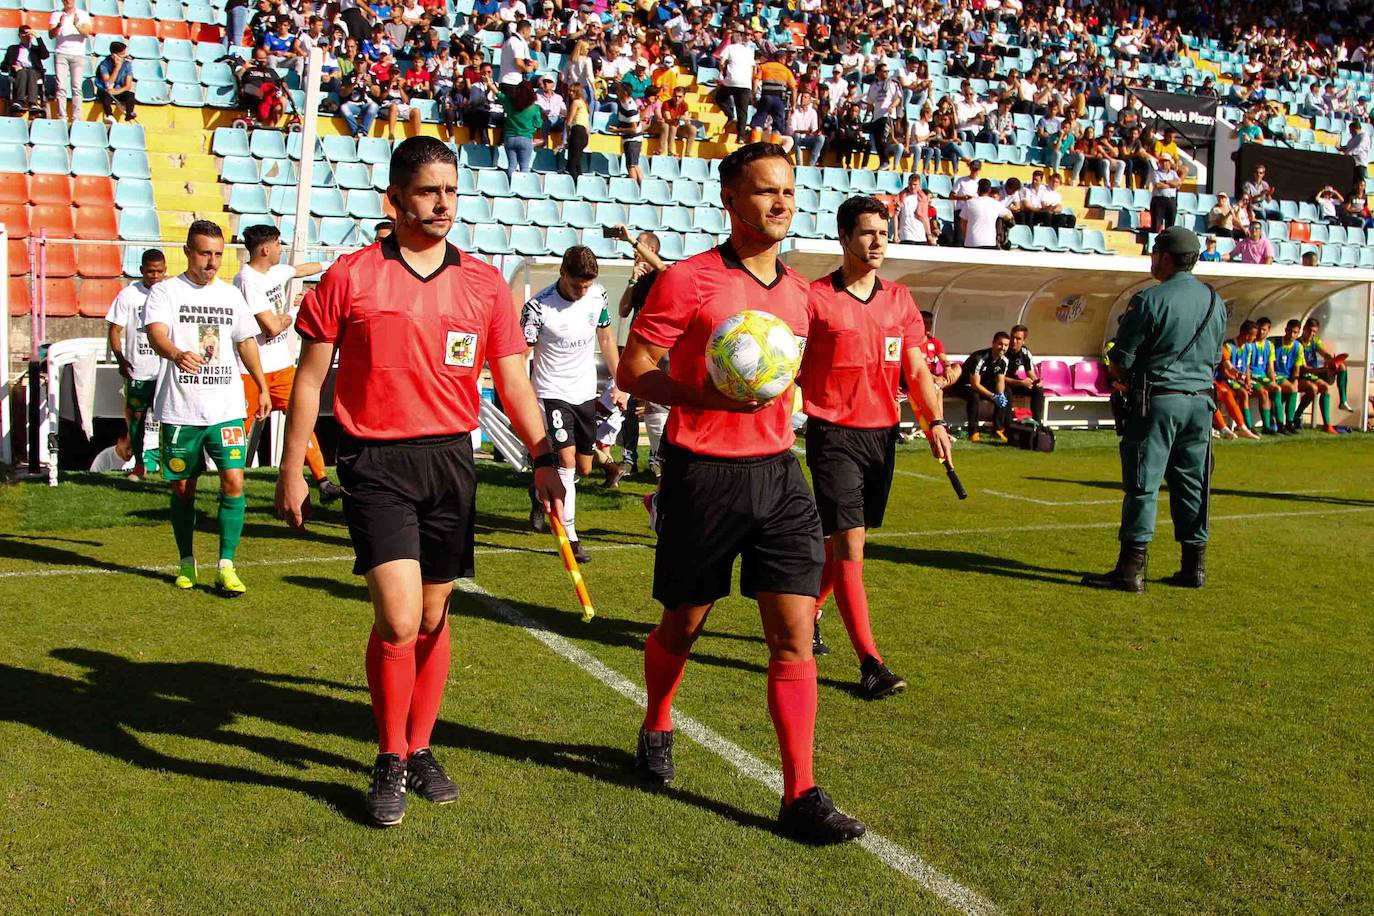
column 546, row 460
column 939, row 422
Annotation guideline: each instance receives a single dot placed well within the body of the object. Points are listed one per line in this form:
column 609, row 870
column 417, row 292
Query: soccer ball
column 752, row 356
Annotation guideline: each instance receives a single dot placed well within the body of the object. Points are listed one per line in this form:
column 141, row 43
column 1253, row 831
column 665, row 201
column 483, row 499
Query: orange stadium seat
column 56, row 219
column 98, row 261
column 59, row 298
column 1299, row 232
column 16, row 220
column 19, row 296
column 11, row 19
column 14, row 189
column 93, row 301
column 98, row 223
column 37, row 21
column 107, row 25
column 60, row 261
column 55, row 190
column 140, row 27
column 18, row 255
column 172, row 29
column 211, row 33
column 93, row 191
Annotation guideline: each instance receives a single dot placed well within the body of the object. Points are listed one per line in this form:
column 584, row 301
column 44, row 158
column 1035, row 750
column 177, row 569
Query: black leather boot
column 1129, row 574
column 1193, row 573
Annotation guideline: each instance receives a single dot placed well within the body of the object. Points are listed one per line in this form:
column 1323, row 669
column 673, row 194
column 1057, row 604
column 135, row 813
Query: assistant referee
column 412, row 320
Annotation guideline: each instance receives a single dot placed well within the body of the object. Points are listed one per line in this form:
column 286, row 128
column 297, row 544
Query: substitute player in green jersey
column 1262, row 382
column 196, row 322
column 1288, row 364
column 1321, row 367
column 138, row 364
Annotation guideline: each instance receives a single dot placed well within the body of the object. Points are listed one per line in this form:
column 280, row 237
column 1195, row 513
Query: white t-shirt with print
column 266, row 292
column 563, row 337
column 207, row 320
column 127, row 312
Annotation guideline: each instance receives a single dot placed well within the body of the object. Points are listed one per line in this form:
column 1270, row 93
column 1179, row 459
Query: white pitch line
column 503, row 551
column 894, row 856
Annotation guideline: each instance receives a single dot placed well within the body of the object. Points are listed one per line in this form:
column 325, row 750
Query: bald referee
column 412, row 320
column 731, row 487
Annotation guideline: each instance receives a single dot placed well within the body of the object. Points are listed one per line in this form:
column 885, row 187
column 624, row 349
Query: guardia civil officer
column 1167, row 347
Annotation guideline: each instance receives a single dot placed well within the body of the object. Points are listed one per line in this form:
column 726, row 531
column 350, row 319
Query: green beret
column 1177, row 240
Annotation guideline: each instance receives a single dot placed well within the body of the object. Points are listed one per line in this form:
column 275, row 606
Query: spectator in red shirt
column 413, row 321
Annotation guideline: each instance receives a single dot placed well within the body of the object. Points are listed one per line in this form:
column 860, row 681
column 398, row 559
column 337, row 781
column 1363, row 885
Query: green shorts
column 183, row 448
column 1262, row 381
column 138, row 394
column 152, row 460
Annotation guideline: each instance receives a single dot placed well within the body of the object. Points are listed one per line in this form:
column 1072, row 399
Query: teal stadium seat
column 493, row 183
column 1020, row 237
column 579, row 214
column 527, row 185
column 491, row 239
column 711, row 220
column 697, row 243
column 139, row 224
column 475, row 210
column 48, row 132
column 687, row 192
column 560, row 239
column 509, row 211
column 239, row 170
column 90, row 134
column 609, row 213
column 340, row 149
column 268, row 144
column 89, row 161
column 188, row 95
column 528, row 241
column 338, row 231
column 644, row 218
column 560, row 186
column 131, row 192
column 352, row 175
column 657, row 191
column 328, row 202
column 183, row 71
column 152, row 92
column 676, row 219
column 626, row 191
column 592, row 188
column 545, row 213
column 248, row 198
column 49, row 160
column 365, row 204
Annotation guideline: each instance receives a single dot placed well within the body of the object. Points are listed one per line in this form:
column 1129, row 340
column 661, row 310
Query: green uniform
column 1174, row 440
column 182, row 449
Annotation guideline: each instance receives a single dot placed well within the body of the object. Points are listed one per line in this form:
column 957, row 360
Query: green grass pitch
column 1058, row 750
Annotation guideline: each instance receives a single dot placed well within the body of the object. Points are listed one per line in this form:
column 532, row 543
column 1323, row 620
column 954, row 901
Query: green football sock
column 1248, row 421
column 1342, row 379
column 1326, row 408
column 1290, row 406
column 231, row 510
column 136, row 428
column 183, row 524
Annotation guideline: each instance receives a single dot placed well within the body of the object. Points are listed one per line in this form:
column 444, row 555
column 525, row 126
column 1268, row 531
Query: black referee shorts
column 712, row 510
column 851, row 470
column 411, row 499
column 570, row 425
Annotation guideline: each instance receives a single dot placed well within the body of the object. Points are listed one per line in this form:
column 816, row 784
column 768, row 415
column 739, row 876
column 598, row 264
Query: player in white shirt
column 138, row 364
column 263, row 281
column 196, row 322
column 563, row 324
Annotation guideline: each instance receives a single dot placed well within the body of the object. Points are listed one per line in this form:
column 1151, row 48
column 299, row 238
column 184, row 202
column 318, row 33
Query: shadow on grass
column 20, row 547
column 117, row 699
column 968, row 561
column 1315, row 499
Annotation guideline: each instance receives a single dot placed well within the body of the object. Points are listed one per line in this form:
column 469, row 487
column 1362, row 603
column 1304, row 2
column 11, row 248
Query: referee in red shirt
column 864, row 333
column 731, row 487
column 412, row 320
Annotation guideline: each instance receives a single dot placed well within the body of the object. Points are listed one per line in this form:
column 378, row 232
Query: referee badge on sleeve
column 460, row 349
column 892, row 349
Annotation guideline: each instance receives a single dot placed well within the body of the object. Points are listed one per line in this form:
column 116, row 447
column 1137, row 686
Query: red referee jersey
column 411, row 348
column 684, row 307
column 854, row 352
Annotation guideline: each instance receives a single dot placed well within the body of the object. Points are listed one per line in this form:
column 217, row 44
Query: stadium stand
column 190, row 155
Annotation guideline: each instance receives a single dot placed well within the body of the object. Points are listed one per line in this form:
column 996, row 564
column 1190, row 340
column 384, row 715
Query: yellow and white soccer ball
column 752, row 356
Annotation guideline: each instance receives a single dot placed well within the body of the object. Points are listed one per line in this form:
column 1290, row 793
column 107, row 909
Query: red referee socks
column 391, row 681
column 792, row 705
column 827, row 576
column 431, row 674
column 852, row 600
column 662, row 673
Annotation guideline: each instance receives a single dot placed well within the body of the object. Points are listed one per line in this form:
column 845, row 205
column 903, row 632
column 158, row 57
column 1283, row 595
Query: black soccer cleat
column 876, row 680
column 813, row 818
column 654, row 757
column 428, row 780
column 538, row 520
column 386, row 797
column 580, row 555
column 329, row 491
column 818, row 646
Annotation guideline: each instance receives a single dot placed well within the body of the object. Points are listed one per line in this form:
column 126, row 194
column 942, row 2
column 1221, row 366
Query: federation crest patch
column 176, row 465
column 460, row 349
column 892, row 349
column 231, row 436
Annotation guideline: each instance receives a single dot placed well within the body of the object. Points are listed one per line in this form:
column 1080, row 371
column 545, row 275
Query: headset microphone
column 736, row 214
